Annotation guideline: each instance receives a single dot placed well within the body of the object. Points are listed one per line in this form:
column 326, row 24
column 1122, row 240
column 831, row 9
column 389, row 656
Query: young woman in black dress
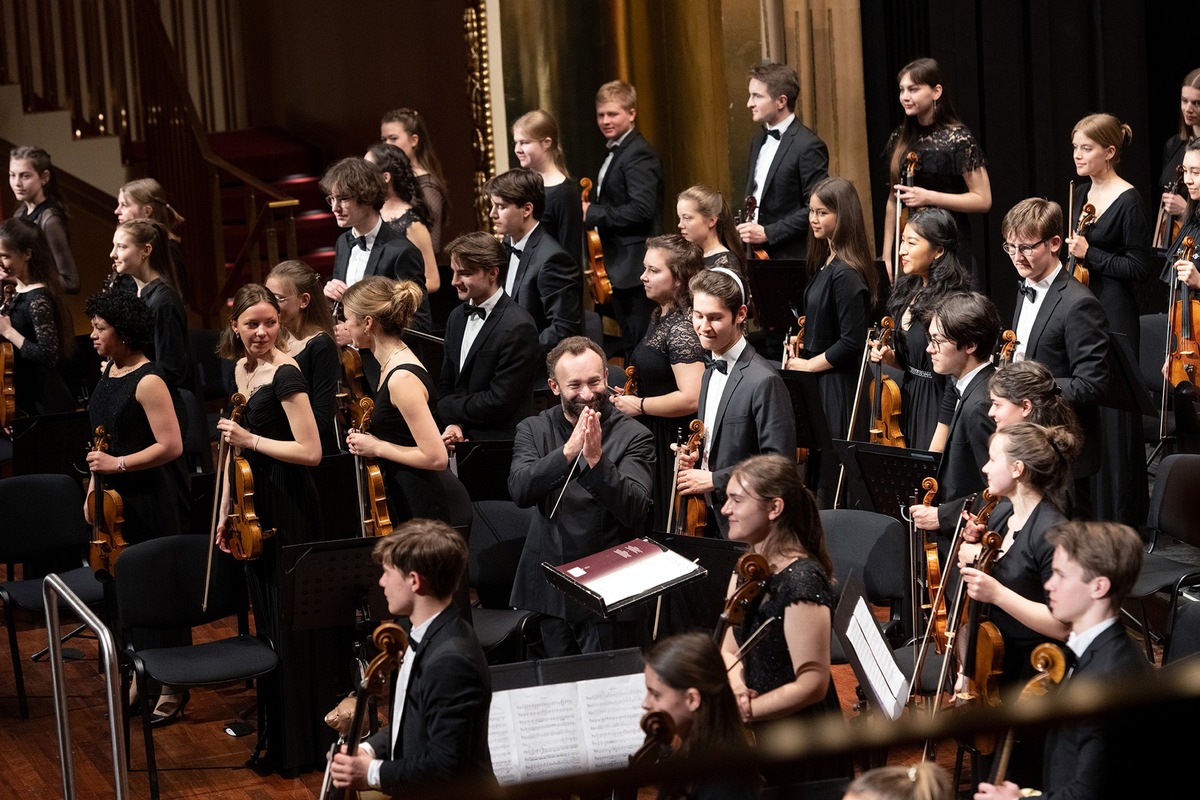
column 34, row 185
column 705, row 220
column 1027, row 392
column 145, row 198
column 951, row 169
column 404, row 435
column 1175, row 146
column 405, row 128
column 930, row 269
column 686, row 679
column 36, row 321
column 305, row 316
column 278, row 438
column 537, row 145
column 405, row 209
column 669, row 359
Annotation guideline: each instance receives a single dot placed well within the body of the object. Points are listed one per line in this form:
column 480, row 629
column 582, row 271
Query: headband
column 736, row 280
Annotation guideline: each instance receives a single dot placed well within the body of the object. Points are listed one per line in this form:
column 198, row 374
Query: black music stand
column 328, row 584
column 52, row 444
column 888, row 476
column 483, row 468
column 1126, row 391
column 863, row 642
column 695, row 606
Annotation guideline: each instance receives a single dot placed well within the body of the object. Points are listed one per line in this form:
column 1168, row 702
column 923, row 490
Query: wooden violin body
column 8, row 397
column 108, row 515
column 749, row 213
column 245, row 533
column 689, row 514
column 753, row 572
column 885, row 398
column 981, row 652
column 1087, row 218
column 1184, row 359
column 1166, row 227
column 372, row 495
column 352, row 388
column 596, row 274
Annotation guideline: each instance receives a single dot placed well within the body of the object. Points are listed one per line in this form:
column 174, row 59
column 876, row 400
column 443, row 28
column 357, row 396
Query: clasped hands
column 585, row 438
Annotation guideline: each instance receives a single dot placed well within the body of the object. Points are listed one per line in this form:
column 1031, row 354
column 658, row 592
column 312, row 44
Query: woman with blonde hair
column 924, row 781
column 404, row 435
column 145, row 198
column 538, row 146
column 706, row 221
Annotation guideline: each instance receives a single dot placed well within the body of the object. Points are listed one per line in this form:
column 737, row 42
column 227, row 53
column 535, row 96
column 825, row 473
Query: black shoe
column 170, row 709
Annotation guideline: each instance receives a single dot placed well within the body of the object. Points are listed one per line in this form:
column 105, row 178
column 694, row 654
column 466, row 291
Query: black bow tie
column 774, row 134
column 361, row 241
column 473, row 310
column 513, row 251
column 1027, row 290
column 719, row 364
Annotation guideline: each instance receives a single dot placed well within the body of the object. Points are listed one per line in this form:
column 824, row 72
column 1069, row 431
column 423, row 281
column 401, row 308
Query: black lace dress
column 37, row 385
column 670, row 340
column 402, row 223
column 434, row 195
column 155, row 500
column 412, row 493
column 768, row 665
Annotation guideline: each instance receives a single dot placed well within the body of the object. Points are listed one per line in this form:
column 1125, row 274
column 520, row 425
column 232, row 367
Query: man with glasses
column 1059, row 323
column 962, row 335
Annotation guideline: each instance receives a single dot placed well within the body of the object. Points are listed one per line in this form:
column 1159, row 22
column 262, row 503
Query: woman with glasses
column 305, row 316
column 951, row 170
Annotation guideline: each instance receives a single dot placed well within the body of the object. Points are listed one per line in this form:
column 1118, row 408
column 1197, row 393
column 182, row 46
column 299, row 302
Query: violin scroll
column 659, row 728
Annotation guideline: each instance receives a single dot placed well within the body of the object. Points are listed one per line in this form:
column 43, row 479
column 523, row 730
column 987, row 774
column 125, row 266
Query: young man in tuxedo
column 1060, row 323
column 786, row 161
column 744, row 404
column 587, row 469
column 542, row 277
column 438, row 732
column 962, row 334
column 626, row 207
column 1095, row 566
column 492, row 350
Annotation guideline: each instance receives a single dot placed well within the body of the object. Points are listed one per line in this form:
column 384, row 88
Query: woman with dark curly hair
column 405, row 209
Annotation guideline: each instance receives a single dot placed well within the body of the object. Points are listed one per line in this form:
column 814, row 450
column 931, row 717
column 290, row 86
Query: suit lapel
column 489, row 324
column 456, row 326
column 1053, row 298
column 522, row 262
column 735, row 377
column 788, row 137
column 612, row 165
column 755, row 148
column 1098, row 644
column 376, row 252
column 979, row 378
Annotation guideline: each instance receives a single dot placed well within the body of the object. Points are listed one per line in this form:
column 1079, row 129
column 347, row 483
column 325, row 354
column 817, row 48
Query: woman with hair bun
column 1027, row 392
column 924, row 781
column 404, row 433
column 145, row 198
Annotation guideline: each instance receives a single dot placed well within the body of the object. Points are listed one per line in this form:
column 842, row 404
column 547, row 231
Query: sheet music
column 640, row 575
column 565, row 728
column 888, row 682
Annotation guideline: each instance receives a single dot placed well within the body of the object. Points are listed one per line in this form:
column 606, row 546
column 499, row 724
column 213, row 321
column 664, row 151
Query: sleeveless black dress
column 412, row 492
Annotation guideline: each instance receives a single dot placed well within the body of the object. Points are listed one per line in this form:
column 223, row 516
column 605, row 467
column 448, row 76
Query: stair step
column 321, row 260
column 269, row 154
column 305, row 188
column 315, row 230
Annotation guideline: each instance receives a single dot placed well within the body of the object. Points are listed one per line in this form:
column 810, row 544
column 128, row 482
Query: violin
column 237, row 404
column 1051, row 666
column 917, row 551
column 885, row 398
column 753, row 572
column 1087, row 218
column 659, row 728
column 1166, row 227
column 688, row 513
column 391, row 642
column 595, row 273
column 1184, row 319
column 8, row 398
column 793, row 346
column 1009, row 346
column 749, row 213
column 108, row 515
column 981, row 652
column 908, row 176
column 351, row 389
column 372, row 497
column 633, row 386
column 247, row 539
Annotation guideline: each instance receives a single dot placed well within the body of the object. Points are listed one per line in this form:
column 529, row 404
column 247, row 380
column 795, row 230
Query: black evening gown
column 412, row 493
column 921, row 390
column 285, row 500
column 670, row 340
column 319, row 364
column 155, row 500
column 436, row 201
column 768, row 665
column 563, row 217
column 1118, row 260
column 38, row 388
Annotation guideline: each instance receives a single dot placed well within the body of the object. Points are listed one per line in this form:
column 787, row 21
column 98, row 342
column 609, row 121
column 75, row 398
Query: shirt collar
column 491, row 302
column 1045, row 282
column 524, row 239
column 962, row 383
column 371, row 234
column 418, row 631
column 1080, row 642
column 620, row 140
column 734, row 353
column 783, row 126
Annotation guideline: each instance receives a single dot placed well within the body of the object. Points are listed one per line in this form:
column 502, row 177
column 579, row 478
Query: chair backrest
column 1173, row 504
column 871, row 546
column 42, row 517
column 160, row 584
column 1185, row 634
column 497, row 537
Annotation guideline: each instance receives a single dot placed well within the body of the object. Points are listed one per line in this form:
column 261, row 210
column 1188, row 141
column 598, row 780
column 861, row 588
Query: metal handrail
column 54, row 590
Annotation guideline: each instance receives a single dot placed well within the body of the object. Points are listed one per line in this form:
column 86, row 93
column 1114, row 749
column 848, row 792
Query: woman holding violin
column 404, row 434
column 930, row 269
column 705, row 220
column 669, row 359
column 1173, row 202
column 306, row 318
column 786, row 673
column 1185, row 270
column 686, row 679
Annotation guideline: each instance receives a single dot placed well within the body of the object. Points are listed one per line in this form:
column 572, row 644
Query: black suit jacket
column 625, row 212
column 548, row 285
column 1080, row 759
column 755, row 416
column 801, row 162
column 444, row 730
column 961, row 470
column 392, row 256
column 1070, row 337
column 494, row 389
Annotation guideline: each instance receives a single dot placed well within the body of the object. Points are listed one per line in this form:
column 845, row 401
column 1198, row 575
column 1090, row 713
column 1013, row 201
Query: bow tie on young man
column 473, row 310
column 361, row 241
column 513, row 251
column 775, row 133
column 719, row 364
column 1027, row 290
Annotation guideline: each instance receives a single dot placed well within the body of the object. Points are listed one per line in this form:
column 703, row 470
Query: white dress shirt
column 620, row 140
column 475, row 325
column 716, row 391
column 962, row 383
column 1080, row 642
column 356, row 267
column 766, row 154
column 1029, row 312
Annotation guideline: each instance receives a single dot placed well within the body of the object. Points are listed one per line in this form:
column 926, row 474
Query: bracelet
column 643, row 404
column 121, row 464
column 254, row 445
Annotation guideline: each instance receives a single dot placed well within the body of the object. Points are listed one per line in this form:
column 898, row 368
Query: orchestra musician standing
column 625, row 206
column 1185, row 270
column 787, row 161
column 278, row 438
column 587, row 470
column 669, row 360
column 406, row 129
column 405, row 209
column 537, row 145
column 1175, row 203
column 35, row 187
column 705, row 220
column 145, row 198
column 744, row 404
column 951, row 168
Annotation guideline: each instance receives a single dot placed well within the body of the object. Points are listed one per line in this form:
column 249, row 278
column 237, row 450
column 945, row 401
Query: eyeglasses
column 938, row 341
column 1024, row 249
column 334, row 202
column 283, row 298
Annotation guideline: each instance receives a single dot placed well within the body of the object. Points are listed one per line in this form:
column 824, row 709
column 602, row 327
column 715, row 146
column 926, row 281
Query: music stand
column 51, row 444
column 1126, row 391
column 326, row 584
column 812, row 428
column 888, row 475
column 867, row 651
column 696, row 606
column 483, row 468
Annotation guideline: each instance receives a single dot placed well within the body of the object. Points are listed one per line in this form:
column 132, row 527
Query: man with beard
column 587, row 468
